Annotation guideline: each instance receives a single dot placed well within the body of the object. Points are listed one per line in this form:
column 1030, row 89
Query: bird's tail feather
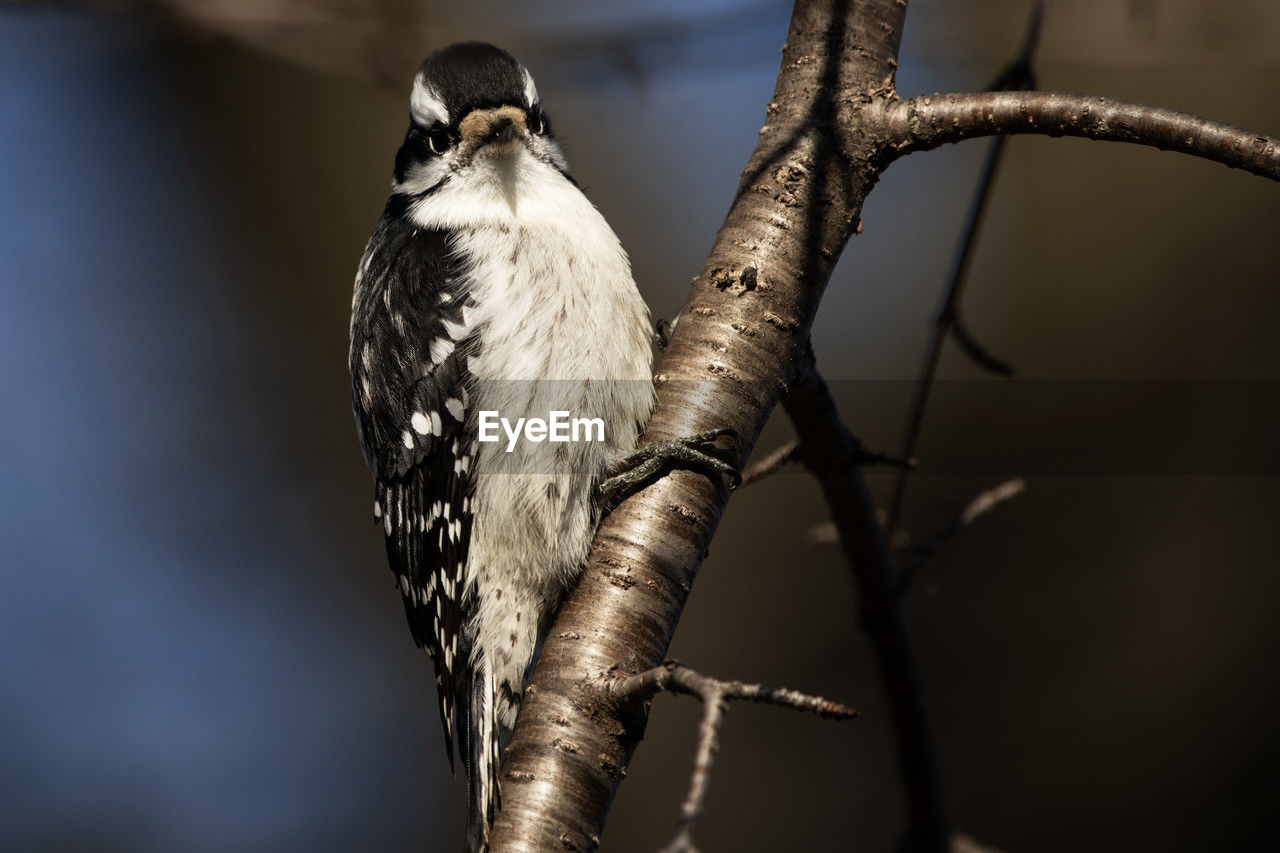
column 482, row 733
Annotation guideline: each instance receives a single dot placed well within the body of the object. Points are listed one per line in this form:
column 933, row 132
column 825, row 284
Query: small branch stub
column 675, row 677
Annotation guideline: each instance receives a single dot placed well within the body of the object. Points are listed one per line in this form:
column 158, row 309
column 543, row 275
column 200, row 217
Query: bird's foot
column 662, row 331
column 643, row 464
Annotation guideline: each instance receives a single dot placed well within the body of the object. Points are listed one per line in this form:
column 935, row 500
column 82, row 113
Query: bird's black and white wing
column 411, row 397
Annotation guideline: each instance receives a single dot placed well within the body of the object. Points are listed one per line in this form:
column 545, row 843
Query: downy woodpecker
column 490, row 284
column 492, row 288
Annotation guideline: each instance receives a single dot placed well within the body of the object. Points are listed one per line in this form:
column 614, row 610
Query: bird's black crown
column 473, row 76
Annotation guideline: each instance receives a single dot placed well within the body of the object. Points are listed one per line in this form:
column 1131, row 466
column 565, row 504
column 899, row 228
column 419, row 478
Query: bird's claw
column 644, row 463
column 662, row 331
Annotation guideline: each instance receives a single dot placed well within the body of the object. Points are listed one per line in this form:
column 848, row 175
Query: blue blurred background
column 201, row 647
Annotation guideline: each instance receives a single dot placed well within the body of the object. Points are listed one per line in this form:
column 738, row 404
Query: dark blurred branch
column 927, row 122
column 823, row 535
column 918, row 555
column 961, row 843
column 675, row 677
column 1018, row 73
column 834, row 461
column 970, row 346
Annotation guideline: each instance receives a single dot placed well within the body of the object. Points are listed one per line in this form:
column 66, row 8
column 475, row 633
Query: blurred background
column 201, row 646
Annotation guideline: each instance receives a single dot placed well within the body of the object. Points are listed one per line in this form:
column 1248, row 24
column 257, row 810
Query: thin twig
column 990, row 499
column 875, row 457
column 948, row 323
column 772, row 464
column 675, row 677
column 793, row 451
column 976, row 352
column 918, row 555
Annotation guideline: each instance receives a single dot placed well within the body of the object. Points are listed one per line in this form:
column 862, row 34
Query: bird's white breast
column 560, row 324
column 552, row 287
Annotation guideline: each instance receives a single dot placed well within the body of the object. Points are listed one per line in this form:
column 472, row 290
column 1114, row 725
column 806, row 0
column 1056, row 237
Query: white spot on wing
column 436, row 427
column 441, row 348
column 407, row 438
column 420, row 424
column 457, row 331
column 455, row 408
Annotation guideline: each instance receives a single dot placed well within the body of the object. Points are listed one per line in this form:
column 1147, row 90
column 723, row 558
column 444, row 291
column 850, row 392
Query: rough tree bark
column 834, row 124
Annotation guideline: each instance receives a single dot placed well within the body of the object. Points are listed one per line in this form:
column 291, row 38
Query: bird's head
column 475, row 116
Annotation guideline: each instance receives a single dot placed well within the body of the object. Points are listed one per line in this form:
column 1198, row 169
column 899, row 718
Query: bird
column 492, row 287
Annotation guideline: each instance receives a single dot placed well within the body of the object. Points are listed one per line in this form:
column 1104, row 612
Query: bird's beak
column 497, row 126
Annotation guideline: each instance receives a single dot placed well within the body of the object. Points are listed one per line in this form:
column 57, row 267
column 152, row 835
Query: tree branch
column 745, row 323
column 793, row 451
column 1019, row 73
column 832, row 126
column 772, row 464
column 837, row 469
column 929, row 121
column 675, row 677
column 918, row 555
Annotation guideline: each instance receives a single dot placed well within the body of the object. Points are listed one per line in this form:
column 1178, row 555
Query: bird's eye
column 535, row 121
column 438, row 139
